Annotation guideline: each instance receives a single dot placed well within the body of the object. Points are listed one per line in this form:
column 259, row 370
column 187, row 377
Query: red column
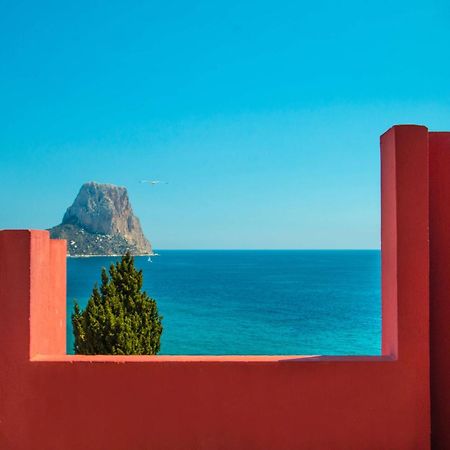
column 33, row 295
column 15, row 297
column 405, row 269
column 47, row 295
column 405, row 252
column 32, row 322
column 440, row 288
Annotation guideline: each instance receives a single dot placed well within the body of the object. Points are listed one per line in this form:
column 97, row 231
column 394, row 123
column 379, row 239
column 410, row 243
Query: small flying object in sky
column 154, row 182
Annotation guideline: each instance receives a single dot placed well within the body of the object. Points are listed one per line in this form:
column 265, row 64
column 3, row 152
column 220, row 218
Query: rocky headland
column 101, row 222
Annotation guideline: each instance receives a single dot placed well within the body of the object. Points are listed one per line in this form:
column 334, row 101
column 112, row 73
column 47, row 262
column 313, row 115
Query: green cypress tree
column 120, row 318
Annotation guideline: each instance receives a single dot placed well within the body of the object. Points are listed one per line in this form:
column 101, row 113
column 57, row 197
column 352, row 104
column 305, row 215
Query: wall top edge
column 157, row 359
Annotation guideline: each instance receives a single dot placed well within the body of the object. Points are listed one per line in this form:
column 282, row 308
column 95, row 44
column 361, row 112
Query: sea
column 261, row 302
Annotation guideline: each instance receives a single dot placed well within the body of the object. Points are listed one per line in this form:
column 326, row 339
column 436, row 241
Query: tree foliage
column 120, row 318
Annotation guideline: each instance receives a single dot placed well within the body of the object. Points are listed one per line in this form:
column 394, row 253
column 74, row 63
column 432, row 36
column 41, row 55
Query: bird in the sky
column 154, row 182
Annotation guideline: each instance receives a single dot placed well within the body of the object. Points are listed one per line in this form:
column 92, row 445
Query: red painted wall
column 49, row 400
column 440, row 287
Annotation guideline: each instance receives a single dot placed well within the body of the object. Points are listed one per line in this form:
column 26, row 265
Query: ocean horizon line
column 232, row 250
column 268, row 249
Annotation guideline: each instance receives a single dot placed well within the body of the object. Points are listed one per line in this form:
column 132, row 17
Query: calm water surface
column 255, row 302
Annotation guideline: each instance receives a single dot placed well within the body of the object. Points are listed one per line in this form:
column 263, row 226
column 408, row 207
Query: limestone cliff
column 101, row 222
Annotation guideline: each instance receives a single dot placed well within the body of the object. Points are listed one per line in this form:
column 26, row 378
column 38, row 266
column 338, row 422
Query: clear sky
column 263, row 116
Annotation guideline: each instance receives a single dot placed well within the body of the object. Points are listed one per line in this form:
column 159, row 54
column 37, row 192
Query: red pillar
column 440, row 289
column 15, row 287
column 405, row 264
column 47, row 295
column 405, row 252
column 32, row 321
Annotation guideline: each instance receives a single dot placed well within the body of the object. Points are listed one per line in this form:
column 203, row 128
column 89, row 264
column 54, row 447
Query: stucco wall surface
column 49, row 400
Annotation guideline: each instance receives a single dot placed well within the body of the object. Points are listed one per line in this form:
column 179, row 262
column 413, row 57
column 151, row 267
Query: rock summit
column 101, row 222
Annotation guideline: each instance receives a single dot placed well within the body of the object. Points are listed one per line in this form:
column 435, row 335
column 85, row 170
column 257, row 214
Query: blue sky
column 264, row 117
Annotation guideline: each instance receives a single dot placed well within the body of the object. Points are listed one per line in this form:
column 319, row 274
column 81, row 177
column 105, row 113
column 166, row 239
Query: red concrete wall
column 49, row 400
column 440, row 288
column 48, row 290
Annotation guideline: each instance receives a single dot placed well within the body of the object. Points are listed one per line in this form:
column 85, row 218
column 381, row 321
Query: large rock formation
column 101, row 222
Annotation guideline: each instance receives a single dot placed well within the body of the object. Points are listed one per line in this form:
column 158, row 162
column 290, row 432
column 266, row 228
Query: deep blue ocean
column 255, row 302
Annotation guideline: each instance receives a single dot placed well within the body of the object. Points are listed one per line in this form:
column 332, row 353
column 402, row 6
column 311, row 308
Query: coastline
column 105, row 256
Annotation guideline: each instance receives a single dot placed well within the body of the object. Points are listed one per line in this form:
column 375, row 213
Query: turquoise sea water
column 255, row 302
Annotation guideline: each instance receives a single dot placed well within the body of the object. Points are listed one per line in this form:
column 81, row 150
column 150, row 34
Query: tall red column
column 440, row 289
column 405, row 265
column 33, row 290
column 405, row 251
